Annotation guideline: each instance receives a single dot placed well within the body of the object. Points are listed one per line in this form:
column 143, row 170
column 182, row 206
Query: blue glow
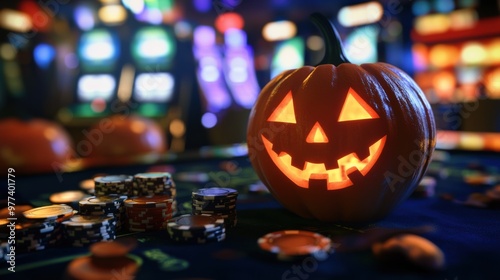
column 135, row 6
column 289, row 54
column 204, row 36
column 154, row 87
column 444, row 6
column 235, row 38
column 209, row 120
column 202, row 5
column 421, row 7
column 156, row 47
column 84, row 17
column 361, row 45
column 98, row 46
column 44, row 54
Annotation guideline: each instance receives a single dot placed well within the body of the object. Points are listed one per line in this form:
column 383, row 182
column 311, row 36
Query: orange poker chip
column 84, row 268
column 88, row 185
column 17, row 211
column 292, row 244
column 67, row 197
column 51, row 212
column 109, row 250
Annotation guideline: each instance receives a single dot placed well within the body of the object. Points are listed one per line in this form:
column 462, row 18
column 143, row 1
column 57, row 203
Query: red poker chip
column 86, row 268
column 290, row 244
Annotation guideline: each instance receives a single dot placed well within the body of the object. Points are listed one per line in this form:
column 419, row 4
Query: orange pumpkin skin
column 403, row 117
column 128, row 136
column 33, row 146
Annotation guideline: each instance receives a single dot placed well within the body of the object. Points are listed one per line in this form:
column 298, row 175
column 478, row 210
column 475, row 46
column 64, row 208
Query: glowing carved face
column 331, row 152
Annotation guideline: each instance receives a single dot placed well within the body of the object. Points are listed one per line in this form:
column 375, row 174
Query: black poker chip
column 153, row 183
column 219, row 202
column 84, row 230
column 105, row 205
column 113, row 184
column 196, row 229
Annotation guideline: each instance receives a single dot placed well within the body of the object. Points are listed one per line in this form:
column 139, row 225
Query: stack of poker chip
column 197, row 229
column 154, row 183
column 81, row 231
column 40, row 228
column 113, row 184
column 148, row 213
column 219, row 202
column 105, row 205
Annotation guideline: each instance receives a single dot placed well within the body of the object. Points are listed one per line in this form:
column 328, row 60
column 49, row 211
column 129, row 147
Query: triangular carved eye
column 317, row 135
column 284, row 112
column 355, row 108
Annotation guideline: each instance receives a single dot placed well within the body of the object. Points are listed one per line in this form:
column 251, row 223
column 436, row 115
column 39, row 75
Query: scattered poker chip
column 66, row 197
column 88, row 185
column 17, row 211
column 196, row 229
column 84, row 268
column 113, row 184
column 494, row 192
column 293, row 244
column 51, row 212
column 479, row 178
column 109, row 250
column 478, row 200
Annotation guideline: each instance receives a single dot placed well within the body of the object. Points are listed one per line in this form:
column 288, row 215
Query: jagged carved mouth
column 336, row 178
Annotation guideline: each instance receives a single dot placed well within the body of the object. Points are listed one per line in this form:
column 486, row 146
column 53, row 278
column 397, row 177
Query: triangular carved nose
column 317, row 135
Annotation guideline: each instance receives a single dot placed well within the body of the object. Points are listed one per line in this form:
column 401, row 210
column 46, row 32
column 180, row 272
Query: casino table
column 468, row 236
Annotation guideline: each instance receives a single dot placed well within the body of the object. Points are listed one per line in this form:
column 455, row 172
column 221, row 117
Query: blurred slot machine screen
column 153, row 51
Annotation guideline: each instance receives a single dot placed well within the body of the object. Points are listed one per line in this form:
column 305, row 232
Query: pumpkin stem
column 334, row 52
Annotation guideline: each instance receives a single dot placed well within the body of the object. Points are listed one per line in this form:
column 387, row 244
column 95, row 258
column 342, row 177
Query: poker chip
column 66, row 197
column 148, row 213
column 113, row 184
column 32, row 235
column 219, row 202
column 197, row 229
column 18, row 211
column 88, row 186
column 153, row 183
column 51, row 212
column 479, row 178
column 87, row 267
column 293, row 244
column 104, row 206
column 80, row 231
column 494, row 193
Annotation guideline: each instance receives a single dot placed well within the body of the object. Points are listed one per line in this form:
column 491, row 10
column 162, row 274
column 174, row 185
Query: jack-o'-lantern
column 341, row 142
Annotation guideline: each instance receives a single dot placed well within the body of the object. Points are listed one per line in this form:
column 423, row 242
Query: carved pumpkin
column 341, row 142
